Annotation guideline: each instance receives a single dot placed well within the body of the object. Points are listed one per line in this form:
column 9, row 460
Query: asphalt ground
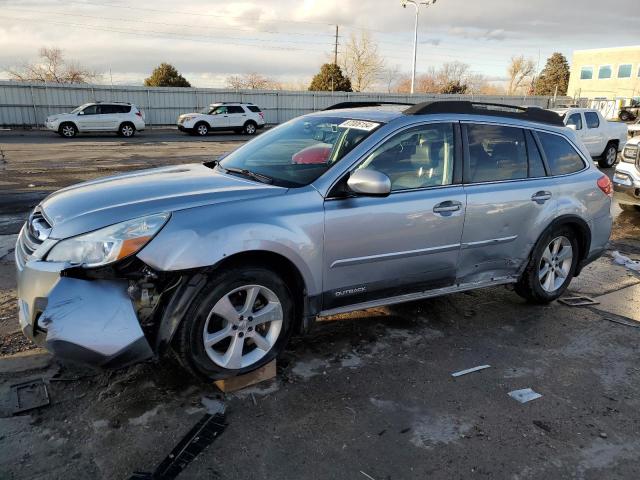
column 366, row 395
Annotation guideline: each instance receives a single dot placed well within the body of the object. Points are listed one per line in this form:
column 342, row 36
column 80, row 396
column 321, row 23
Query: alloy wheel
column 612, row 153
column 68, row 131
column 127, row 130
column 202, row 129
column 243, row 326
column 555, row 264
column 250, row 128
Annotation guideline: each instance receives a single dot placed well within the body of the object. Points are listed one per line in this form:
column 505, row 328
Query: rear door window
column 496, row 153
column 562, row 158
column 592, row 119
column 235, row 109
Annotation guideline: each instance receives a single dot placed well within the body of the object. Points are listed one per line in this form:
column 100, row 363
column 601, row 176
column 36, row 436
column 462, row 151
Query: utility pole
column 335, row 49
column 416, row 4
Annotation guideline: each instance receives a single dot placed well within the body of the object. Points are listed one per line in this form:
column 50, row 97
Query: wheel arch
column 582, row 231
column 192, row 282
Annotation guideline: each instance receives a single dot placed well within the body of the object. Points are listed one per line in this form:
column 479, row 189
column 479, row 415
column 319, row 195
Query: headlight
column 630, row 153
column 108, row 244
column 189, row 117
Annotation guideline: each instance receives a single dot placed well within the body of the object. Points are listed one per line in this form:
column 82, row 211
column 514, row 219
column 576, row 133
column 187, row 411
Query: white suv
column 239, row 117
column 123, row 118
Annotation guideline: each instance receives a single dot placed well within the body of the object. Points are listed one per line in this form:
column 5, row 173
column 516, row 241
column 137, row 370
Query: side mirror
column 572, row 127
column 370, row 183
column 81, row 112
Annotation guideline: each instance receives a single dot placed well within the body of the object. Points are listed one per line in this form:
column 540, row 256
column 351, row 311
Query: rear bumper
column 87, row 321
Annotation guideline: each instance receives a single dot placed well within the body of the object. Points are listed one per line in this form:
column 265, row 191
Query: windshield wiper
column 248, row 173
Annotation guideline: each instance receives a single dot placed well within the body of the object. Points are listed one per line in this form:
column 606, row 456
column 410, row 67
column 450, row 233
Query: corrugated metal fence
column 29, row 104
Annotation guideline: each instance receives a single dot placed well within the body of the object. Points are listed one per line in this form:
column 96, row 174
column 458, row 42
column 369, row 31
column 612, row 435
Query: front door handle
column 541, row 197
column 447, row 207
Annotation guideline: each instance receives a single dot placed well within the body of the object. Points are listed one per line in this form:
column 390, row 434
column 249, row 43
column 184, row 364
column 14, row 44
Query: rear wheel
column 240, row 321
column 551, row 267
column 250, row 128
column 609, row 156
column 201, row 129
column 68, row 130
column 625, row 116
column 127, row 130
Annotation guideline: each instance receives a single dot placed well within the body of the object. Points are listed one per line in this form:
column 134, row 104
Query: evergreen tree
column 555, row 72
column 330, row 78
column 166, row 75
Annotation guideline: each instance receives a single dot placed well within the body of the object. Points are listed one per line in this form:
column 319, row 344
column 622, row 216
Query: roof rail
column 535, row 114
column 362, row 104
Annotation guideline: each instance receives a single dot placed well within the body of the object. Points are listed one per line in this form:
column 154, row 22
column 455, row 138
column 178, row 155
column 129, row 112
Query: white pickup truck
column 603, row 139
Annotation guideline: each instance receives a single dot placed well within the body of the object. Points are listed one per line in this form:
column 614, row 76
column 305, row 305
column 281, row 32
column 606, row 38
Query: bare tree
column 520, row 71
column 53, row 68
column 452, row 72
column 361, row 61
column 253, row 81
column 390, row 77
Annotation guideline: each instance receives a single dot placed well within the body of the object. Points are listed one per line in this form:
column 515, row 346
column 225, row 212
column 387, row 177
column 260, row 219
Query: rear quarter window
column 254, row 109
column 562, row 158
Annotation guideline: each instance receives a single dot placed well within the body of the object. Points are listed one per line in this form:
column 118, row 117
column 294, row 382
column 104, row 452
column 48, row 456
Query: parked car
column 626, row 179
column 238, row 117
column 603, row 139
column 124, row 119
column 221, row 262
column 634, row 128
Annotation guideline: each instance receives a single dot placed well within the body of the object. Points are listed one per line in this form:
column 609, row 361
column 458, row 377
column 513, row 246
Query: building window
column 586, row 73
column 624, row 70
column 604, row 71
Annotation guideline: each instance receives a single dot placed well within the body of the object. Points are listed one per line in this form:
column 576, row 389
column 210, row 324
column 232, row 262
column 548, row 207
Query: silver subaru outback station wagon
column 356, row 206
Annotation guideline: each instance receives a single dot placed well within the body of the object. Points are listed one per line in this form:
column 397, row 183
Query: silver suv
column 339, row 210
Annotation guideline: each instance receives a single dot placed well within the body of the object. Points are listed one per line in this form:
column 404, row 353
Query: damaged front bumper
column 87, row 321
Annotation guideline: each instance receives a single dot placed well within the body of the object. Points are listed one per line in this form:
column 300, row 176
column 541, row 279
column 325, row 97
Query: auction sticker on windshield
column 359, row 125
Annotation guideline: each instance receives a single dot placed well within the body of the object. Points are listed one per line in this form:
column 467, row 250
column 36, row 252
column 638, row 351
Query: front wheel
column 625, row 116
column 609, row 156
column 551, row 267
column 240, row 321
column 68, row 130
column 201, row 129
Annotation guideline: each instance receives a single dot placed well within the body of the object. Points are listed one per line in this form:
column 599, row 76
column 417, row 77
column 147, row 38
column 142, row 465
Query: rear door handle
column 447, row 207
column 541, row 197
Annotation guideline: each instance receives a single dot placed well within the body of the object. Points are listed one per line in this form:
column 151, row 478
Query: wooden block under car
column 233, row 384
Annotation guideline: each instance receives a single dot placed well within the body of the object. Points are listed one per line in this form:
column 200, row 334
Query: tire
column 609, row 156
column 201, row 129
column 540, row 288
column 250, row 128
column 127, row 130
column 68, row 130
column 218, row 310
column 627, row 207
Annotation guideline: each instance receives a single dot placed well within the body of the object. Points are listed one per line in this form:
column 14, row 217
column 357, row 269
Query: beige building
column 605, row 73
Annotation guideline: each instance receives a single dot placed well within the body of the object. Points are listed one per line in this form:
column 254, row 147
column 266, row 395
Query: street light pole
column 416, row 4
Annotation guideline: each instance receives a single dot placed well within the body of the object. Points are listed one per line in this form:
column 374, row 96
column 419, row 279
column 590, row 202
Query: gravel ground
column 367, row 395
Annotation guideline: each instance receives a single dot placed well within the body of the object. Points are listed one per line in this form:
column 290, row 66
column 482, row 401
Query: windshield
column 77, row 109
column 298, row 152
column 208, row 110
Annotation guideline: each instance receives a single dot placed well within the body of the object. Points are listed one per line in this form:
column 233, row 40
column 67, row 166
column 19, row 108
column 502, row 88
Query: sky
column 288, row 40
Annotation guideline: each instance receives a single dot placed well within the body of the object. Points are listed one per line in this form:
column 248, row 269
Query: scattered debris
column 524, row 395
column 193, row 443
column 232, row 384
column 212, row 405
column 469, row 370
column 622, row 322
column 541, row 425
column 578, row 301
column 30, row 395
column 603, row 435
column 625, row 261
column 367, row 475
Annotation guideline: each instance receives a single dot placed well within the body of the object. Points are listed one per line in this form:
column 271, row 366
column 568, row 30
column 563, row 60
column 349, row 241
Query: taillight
column 139, row 114
column 261, row 115
column 604, row 184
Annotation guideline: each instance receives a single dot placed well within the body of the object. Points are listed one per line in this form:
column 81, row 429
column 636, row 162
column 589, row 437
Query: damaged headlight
column 108, row 244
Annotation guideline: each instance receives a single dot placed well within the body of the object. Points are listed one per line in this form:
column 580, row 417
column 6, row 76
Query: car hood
column 95, row 204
